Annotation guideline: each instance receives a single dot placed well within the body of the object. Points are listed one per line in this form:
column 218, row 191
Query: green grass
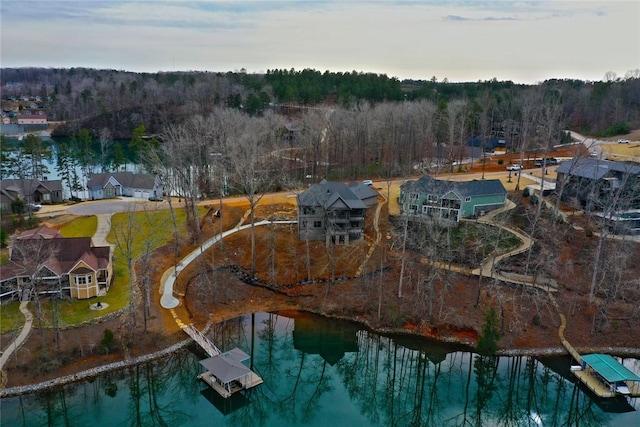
column 84, row 226
column 153, row 228
column 12, row 318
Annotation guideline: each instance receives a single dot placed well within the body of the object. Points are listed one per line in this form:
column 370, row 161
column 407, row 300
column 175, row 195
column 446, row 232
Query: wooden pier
column 593, row 383
column 589, row 375
column 225, row 372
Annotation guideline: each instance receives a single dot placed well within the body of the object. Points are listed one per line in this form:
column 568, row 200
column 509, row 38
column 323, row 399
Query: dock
column 593, row 384
column 225, row 372
column 599, row 372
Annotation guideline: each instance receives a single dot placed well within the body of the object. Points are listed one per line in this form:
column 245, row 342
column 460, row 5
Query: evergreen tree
column 35, row 151
column 490, row 335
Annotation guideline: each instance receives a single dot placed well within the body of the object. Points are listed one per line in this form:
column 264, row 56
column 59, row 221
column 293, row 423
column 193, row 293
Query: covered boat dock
column 226, row 374
column 607, row 377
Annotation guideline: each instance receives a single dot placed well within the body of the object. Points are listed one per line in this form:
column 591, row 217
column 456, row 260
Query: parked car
column 514, row 167
column 34, row 207
column 623, row 141
column 368, row 182
column 549, row 162
column 155, row 198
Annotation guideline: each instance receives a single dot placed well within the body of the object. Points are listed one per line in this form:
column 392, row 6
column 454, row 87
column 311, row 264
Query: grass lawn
column 145, row 229
column 12, row 318
column 84, row 226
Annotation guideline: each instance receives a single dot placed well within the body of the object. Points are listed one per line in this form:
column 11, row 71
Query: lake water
column 320, row 372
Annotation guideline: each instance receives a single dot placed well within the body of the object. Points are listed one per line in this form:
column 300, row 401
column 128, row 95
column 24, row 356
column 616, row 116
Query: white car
column 514, row 167
column 367, row 182
column 623, row 141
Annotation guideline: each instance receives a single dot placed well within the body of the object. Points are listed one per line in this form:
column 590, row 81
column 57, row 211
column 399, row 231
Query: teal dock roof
column 610, row 369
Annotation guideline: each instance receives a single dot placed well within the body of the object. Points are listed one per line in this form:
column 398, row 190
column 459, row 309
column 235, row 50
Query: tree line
column 120, row 100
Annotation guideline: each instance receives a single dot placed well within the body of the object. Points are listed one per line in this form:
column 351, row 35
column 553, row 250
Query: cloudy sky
column 523, row 41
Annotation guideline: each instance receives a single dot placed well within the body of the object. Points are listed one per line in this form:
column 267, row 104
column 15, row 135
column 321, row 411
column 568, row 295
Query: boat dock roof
column 610, row 369
column 227, row 367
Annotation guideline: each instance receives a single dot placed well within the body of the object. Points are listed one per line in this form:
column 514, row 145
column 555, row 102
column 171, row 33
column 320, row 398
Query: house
column 595, row 184
column 609, row 190
column 334, row 211
column 31, row 191
column 129, row 184
column 450, row 201
column 42, row 232
column 56, row 265
column 34, row 119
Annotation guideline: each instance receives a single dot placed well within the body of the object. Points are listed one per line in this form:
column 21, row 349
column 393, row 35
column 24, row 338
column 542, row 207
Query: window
column 413, row 196
column 413, row 208
column 467, row 199
column 83, row 280
column 308, row 211
column 109, row 192
column 432, row 198
column 304, row 224
column 317, row 224
column 46, row 197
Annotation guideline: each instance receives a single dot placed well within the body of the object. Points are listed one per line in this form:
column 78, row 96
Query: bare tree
column 125, row 240
column 31, row 258
column 106, row 142
column 251, row 175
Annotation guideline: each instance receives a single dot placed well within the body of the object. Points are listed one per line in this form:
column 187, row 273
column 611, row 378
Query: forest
column 334, row 125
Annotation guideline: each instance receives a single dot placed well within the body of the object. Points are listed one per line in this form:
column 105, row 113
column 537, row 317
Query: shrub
column 500, row 161
column 525, row 193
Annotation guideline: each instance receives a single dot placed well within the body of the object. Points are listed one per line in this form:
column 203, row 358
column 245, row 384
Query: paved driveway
column 108, row 206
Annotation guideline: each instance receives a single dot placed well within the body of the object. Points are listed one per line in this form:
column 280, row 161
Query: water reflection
column 320, row 372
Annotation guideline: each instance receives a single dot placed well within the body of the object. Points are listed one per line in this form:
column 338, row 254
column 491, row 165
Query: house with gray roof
column 595, row 184
column 334, row 211
column 609, row 190
column 128, row 184
column 31, row 191
column 450, row 201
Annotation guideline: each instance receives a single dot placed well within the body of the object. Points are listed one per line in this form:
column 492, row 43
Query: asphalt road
column 111, row 206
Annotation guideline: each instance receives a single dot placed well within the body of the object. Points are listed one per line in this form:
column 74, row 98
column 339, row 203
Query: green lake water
column 320, row 372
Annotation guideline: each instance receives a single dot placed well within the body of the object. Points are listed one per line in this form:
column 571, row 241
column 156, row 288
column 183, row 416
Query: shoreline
column 389, row 332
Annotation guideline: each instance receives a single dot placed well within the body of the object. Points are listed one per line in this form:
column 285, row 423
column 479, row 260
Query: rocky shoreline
column 94, row 372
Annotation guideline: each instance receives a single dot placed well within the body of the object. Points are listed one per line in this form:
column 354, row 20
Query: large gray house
column 334, row 211
column 450, row 201
column 609, row 190
column 116, row 184
column 593, row 183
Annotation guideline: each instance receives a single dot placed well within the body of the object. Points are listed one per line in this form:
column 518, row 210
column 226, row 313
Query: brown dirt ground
column 528, row 320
